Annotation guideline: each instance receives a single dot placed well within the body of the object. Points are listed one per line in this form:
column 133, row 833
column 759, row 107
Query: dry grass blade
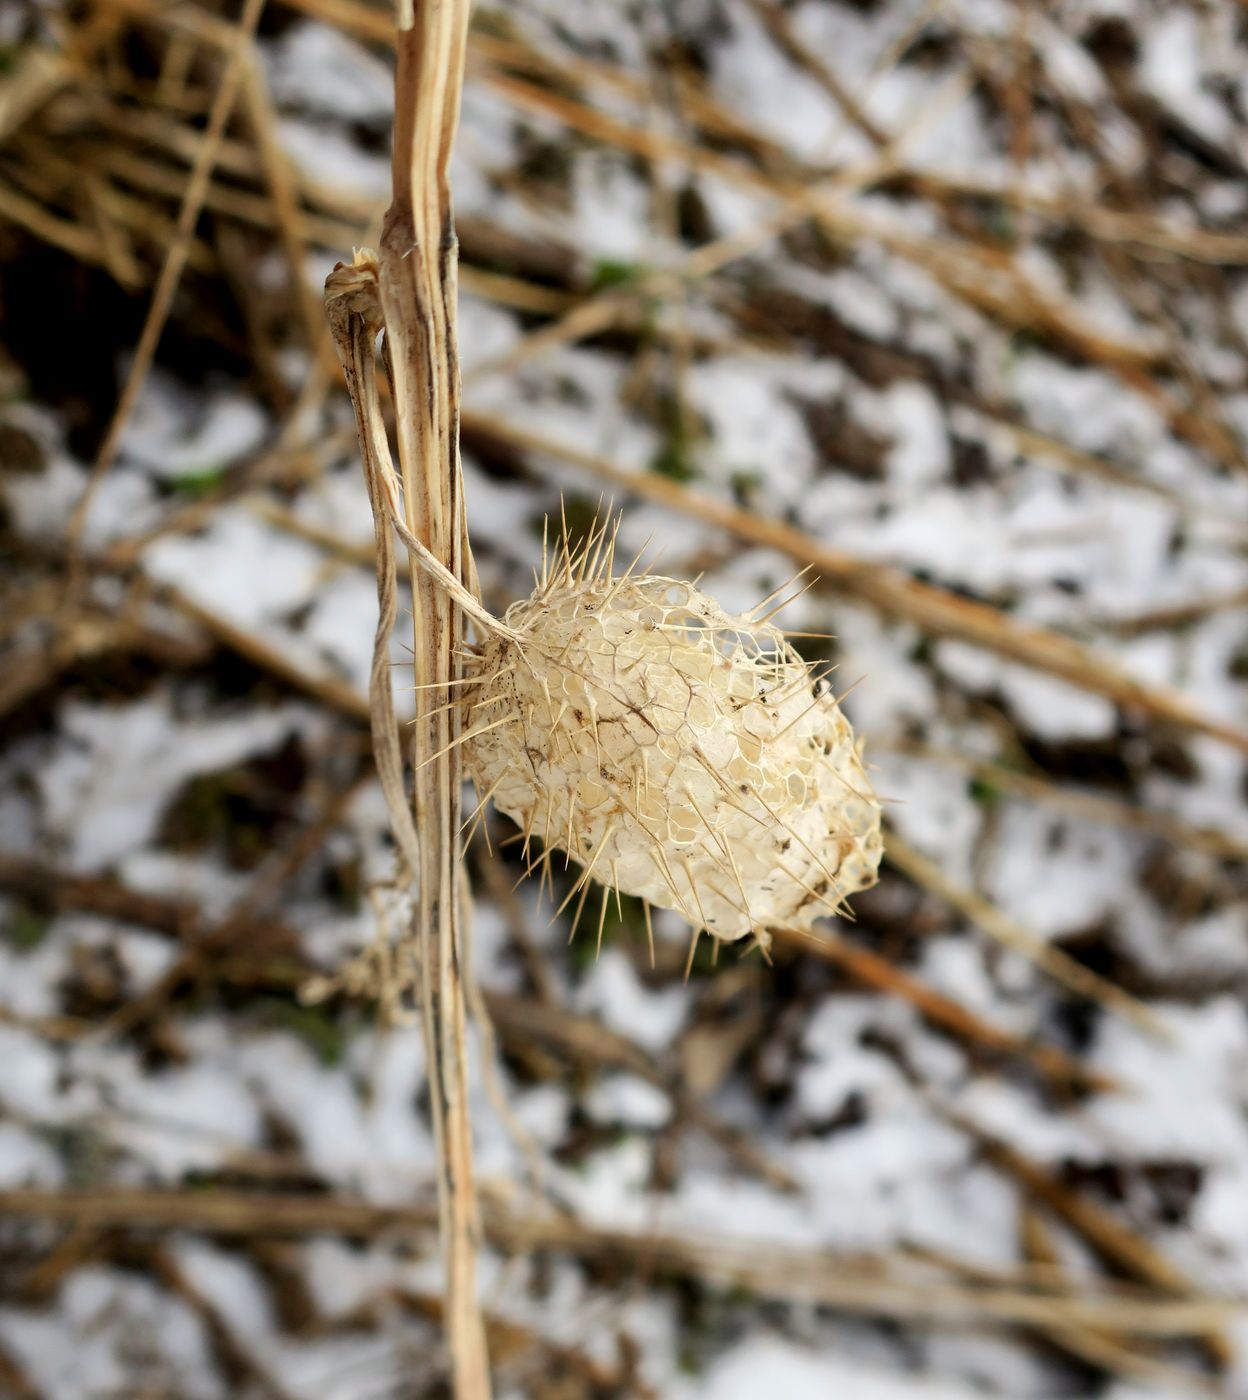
column 175, row 261
column 60, row 890
column 337, row 694
column 1060, row 966
column 524, row 1356
column 1179, row 614
column 1079, row 803
column 1130, row 228
column 352, row 18
column 40, row 74
column 935, row 609
column 76, row 239
column 285, row 197
column 992, row 281
column 988, row 278
column 776, row 21
column 1118, row 1355
column 1108, row 225
column 282, row 518
column 1118, row 1245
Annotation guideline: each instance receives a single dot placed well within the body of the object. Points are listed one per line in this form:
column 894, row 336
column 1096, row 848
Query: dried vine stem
column 408, row 290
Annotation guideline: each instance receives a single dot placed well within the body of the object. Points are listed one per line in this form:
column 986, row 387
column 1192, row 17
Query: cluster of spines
column 590, row 564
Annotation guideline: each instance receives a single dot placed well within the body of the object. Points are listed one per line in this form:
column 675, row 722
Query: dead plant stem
column 409, row 290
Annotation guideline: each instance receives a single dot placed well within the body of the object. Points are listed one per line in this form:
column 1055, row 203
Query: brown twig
column 60, row 891
column 935, row 609
column 202, row 943
column 941, row 1010
column 524, row 1020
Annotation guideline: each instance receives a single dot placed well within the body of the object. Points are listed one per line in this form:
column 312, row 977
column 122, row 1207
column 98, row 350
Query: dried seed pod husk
column 678, row 753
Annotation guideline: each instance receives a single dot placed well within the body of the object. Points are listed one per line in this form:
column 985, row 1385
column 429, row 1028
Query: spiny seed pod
column 677, row 753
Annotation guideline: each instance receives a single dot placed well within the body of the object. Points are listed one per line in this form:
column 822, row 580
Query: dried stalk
column 409, row 291
column 903, row 1286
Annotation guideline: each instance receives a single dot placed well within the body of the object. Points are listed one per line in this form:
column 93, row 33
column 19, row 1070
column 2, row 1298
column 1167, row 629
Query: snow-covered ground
column 1071, row 451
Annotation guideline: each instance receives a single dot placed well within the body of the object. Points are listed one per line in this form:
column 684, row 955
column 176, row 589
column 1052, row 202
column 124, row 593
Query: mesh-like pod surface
column 684, row 755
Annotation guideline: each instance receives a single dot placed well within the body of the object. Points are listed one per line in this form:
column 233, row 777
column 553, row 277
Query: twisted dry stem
column 408, row 290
